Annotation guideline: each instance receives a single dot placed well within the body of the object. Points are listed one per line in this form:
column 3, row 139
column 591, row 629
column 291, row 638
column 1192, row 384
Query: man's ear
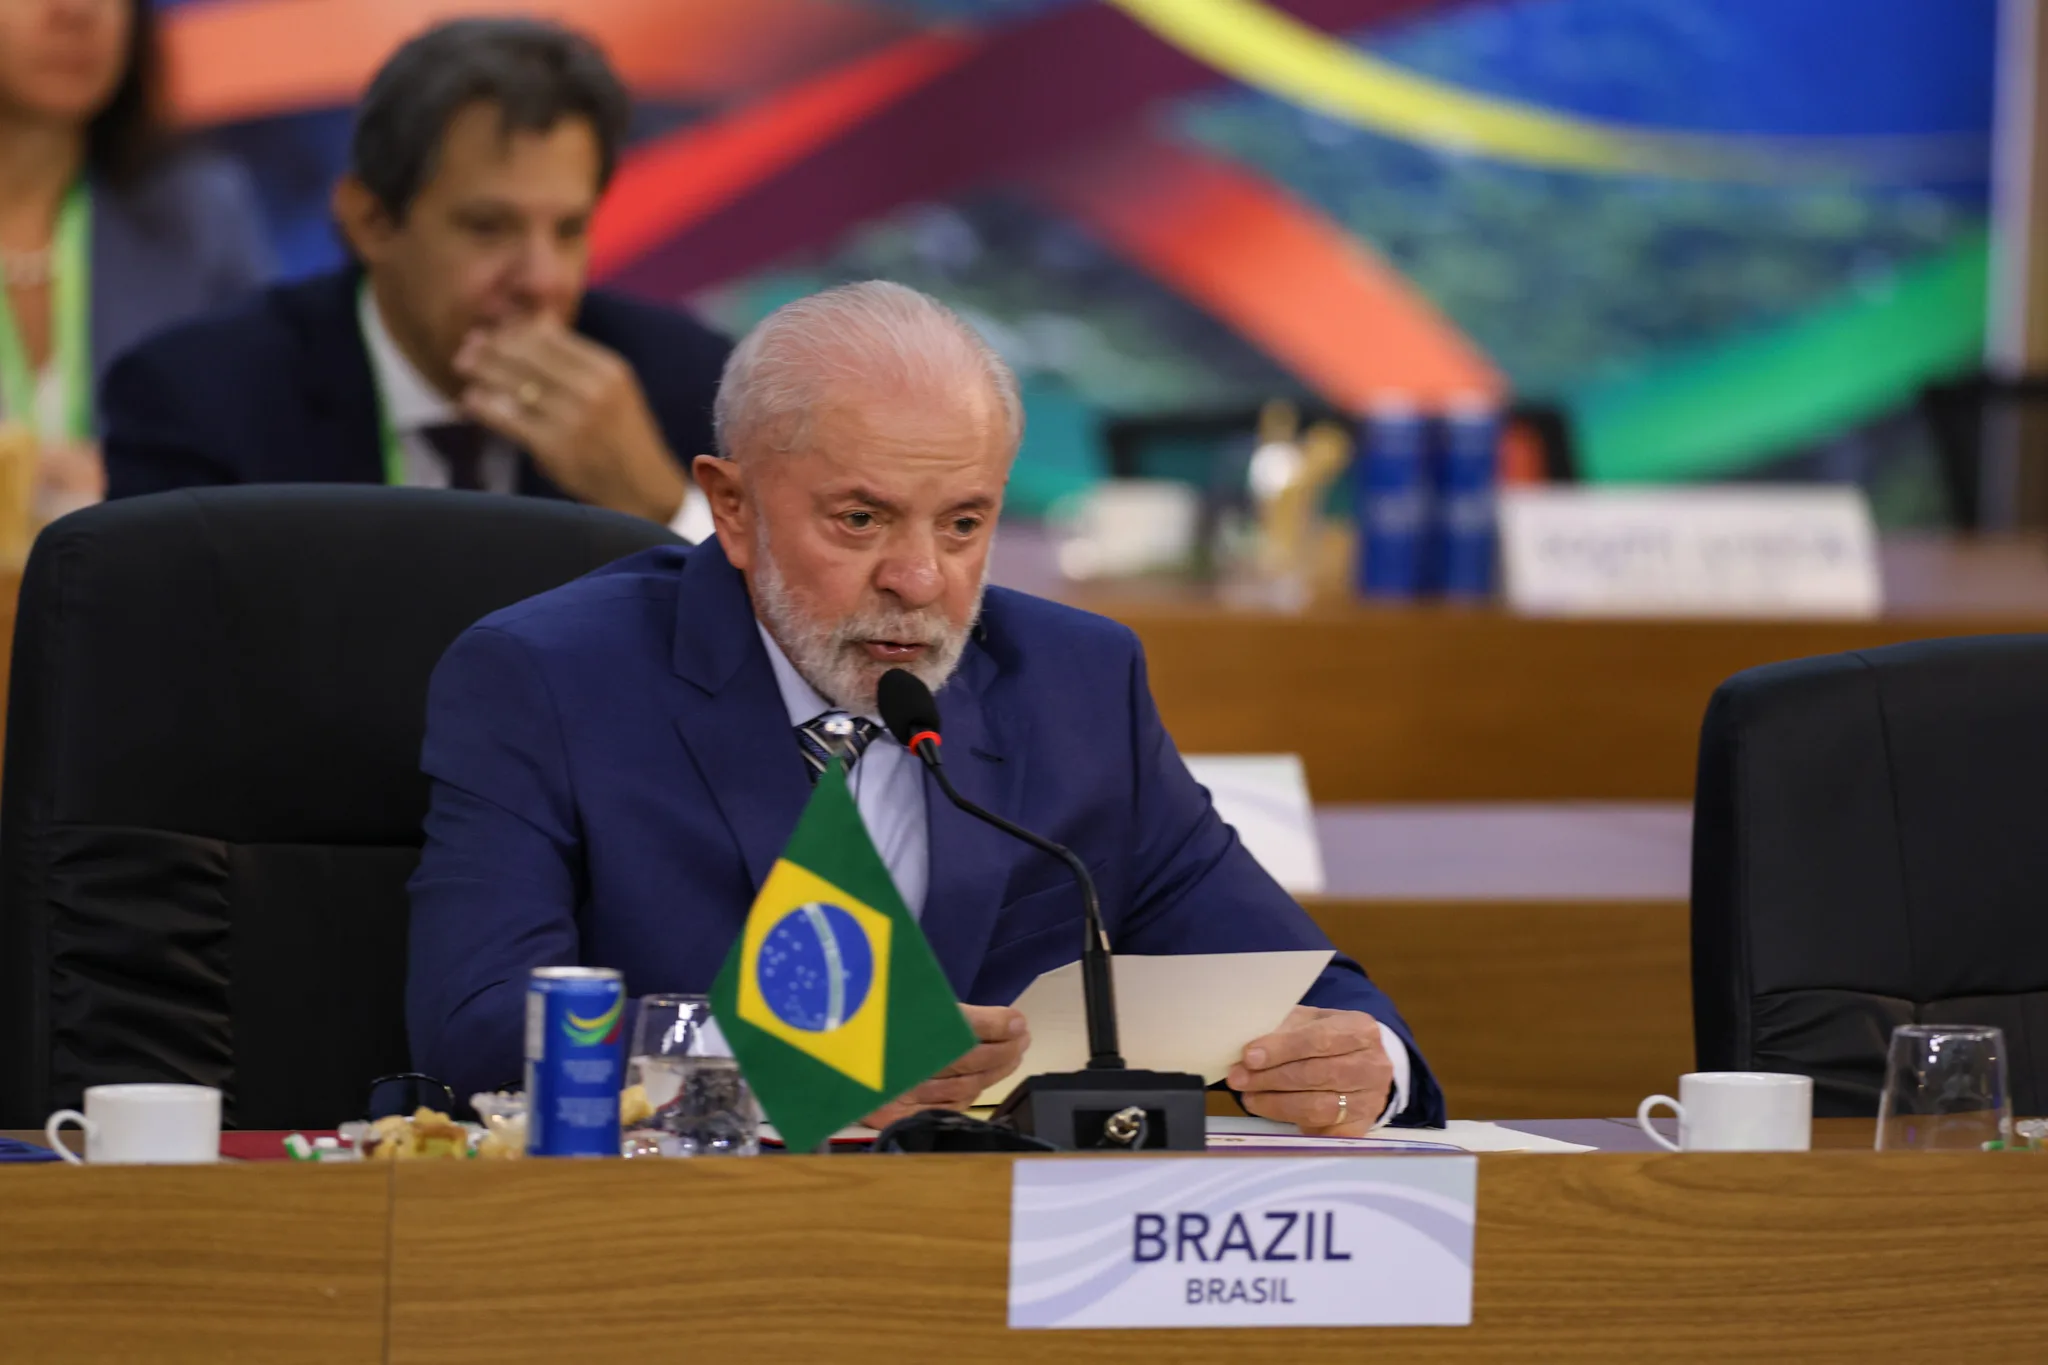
column 718, row 479
column 364, row 221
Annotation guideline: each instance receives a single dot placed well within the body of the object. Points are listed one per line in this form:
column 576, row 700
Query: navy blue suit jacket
column 278, row 389
column 614, row 773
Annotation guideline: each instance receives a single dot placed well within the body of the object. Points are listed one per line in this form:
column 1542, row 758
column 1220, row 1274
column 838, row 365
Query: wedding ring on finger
column 528, row 394
column 1343, row 1107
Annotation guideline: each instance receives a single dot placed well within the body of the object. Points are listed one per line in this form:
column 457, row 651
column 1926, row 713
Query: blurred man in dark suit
column 461, row 348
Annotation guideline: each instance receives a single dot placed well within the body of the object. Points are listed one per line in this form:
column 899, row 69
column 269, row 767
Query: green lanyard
column 70, row 346
column 394, row 454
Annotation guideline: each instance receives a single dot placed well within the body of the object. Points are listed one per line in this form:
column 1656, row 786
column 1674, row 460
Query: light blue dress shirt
column 888, row 785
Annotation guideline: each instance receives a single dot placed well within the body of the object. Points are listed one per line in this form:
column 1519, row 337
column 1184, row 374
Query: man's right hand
column 1004, row 1038
column 578, row 409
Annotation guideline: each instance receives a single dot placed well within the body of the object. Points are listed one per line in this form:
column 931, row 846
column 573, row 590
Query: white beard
column 831, row 658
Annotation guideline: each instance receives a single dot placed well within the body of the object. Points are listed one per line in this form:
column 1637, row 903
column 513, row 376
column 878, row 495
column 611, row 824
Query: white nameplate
column 1324, row 1241
column 1747, row 551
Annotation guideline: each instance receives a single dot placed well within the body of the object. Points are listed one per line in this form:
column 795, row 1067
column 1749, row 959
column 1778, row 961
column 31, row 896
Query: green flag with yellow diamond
column 831, row 1000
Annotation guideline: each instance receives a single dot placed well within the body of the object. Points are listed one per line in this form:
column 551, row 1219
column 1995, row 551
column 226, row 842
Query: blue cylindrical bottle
column 575, row 1060
column 1391, row 499
column 1466, row 471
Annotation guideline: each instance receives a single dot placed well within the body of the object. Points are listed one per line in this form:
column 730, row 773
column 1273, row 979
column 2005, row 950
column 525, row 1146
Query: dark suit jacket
column 278, row 389
column 614, row 774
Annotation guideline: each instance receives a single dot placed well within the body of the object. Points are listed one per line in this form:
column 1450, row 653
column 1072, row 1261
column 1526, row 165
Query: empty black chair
column 212, row 796
column 1870, row 848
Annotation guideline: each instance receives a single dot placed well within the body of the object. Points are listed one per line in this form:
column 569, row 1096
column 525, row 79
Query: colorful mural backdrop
column 1719, row 234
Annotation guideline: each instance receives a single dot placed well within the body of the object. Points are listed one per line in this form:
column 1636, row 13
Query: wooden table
column 1612, row 1256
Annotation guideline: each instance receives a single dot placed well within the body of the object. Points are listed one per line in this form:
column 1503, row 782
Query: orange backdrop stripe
column 666, row 186
column 242, row 59
column 1276, row 270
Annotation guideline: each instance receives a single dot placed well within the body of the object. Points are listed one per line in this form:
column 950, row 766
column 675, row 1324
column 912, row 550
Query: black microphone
column 1107, row 1105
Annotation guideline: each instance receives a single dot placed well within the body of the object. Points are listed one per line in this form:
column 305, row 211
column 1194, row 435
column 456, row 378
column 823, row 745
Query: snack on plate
column 500, row 1136
column 634, row 1106
column 501, row 1146
column 504, row 1120
column 428, row 1133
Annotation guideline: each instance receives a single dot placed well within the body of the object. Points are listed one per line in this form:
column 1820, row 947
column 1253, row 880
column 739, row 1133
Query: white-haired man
column 617, row 763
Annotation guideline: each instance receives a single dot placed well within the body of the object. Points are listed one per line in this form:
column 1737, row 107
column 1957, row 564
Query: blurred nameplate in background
column 1126, row 527
column 1264, row 797
column 1752, row 551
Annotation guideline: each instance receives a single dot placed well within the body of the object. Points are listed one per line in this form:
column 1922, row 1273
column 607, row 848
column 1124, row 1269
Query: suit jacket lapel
column 737, row 731
column 344, row 438
column 984, row 755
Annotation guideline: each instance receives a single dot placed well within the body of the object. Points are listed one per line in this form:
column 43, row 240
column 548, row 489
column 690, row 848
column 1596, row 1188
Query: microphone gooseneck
column 912, row 715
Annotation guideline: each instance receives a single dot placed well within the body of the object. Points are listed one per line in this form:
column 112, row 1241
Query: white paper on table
column 1189, row 1012
column 1264, row 797
column 1466, row 1135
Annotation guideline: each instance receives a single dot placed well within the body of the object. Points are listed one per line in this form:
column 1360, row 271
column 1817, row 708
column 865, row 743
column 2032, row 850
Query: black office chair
column 1870, row 848
column 212, row 796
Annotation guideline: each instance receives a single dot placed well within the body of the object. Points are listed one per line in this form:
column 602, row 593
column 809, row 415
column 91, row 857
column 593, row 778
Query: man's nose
column 542, row 271
column 911, row 575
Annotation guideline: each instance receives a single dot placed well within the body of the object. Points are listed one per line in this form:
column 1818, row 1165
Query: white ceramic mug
column 1737, row 1111
column 172, row 1125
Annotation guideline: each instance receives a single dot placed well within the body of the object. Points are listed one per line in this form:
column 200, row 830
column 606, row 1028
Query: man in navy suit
column 461, row 349
column 616, row 764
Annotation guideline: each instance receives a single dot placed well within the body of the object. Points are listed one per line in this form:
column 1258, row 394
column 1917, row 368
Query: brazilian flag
column 831, row 1000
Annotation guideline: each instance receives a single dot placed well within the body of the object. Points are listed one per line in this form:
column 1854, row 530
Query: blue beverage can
column 1465, row 533
column 1391, row 499
column 575, row 1060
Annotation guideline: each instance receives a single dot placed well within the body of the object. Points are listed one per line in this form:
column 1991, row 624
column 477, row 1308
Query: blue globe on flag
column 815, row 967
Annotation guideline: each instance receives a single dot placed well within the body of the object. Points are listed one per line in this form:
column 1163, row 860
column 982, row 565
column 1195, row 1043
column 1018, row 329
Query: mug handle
column 57, row 1121
column 1643, row 1118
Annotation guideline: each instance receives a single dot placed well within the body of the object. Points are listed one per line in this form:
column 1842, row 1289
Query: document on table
column 1250, row 1133
column 1189, row 1012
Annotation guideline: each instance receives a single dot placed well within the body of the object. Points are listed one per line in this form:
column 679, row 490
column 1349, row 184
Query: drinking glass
column 702, row 1106
column 1944, row 1090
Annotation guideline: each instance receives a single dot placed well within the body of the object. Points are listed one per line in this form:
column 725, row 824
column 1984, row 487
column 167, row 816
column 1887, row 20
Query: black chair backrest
column 212, row 796
column 1870, row 848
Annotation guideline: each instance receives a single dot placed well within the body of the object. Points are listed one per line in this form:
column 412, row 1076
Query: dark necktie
column 835, row 735
column 461, row 444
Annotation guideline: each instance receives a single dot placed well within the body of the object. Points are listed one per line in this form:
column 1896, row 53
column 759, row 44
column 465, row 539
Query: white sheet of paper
column 1191, row 1012
column 1264, row 797
column 1466, row 1135
column 1248, row 1133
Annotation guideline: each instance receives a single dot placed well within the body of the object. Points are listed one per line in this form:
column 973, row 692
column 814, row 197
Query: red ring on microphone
column 921, row 736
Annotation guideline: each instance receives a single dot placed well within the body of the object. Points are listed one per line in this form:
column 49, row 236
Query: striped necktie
column 835, row 735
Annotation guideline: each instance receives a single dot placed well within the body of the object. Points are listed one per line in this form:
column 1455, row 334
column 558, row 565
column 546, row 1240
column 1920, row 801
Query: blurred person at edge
column 108, row 232
column 460, row 347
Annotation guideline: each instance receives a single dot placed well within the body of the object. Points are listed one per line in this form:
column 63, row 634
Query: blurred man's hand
column 578, row 410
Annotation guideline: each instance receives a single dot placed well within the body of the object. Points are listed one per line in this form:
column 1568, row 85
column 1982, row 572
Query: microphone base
column 1079, row 1110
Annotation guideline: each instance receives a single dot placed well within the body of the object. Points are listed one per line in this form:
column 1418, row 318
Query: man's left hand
column 577, row 409
column 1321, row 1070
